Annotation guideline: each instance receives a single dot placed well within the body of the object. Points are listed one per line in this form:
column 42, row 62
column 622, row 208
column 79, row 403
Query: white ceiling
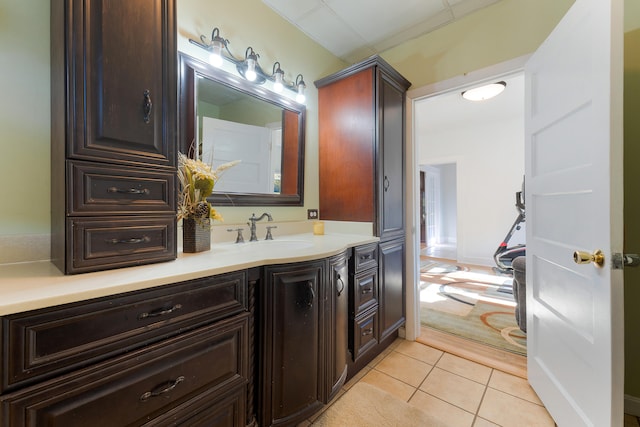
column 355, row 29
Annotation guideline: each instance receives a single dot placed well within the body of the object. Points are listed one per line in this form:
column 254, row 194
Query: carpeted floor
column 470, row 301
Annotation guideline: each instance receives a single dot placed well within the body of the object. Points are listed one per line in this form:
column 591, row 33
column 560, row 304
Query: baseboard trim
column 632, row 405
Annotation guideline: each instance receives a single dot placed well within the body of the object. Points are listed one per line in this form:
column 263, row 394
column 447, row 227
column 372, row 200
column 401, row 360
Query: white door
column 573, row 125
column 224, row 141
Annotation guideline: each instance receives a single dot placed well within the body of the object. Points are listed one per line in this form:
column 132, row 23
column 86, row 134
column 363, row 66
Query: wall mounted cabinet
column 361, row 118
column 113, row 148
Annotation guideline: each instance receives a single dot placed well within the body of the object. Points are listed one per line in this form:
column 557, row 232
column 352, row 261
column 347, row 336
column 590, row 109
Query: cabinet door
column 346, row 150
column 337, row 326
column 123, row 89
column 293, row 359
column 392, row 286
column 391, row 177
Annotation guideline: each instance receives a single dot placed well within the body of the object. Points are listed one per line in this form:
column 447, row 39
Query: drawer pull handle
column 342, row 287
column 131, row 241
column 162, row 389
column 160, row 312
column 365, row 257
column 147, row 106
column 366, row 291
column 144, row 191
column 312, row 294
column 367, row 332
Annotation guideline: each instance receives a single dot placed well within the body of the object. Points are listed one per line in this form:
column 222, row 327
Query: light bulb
column 277, row 86
column 300, row 96
column 215, row 59
column 250, row 74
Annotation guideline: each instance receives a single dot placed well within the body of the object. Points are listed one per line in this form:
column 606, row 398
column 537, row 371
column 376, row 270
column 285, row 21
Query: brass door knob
column 581, row 257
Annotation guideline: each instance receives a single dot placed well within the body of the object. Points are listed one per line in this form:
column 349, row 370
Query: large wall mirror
column 224, row 117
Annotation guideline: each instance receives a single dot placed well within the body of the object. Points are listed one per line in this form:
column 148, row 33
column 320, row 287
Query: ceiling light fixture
column 485, row 92
column 248, row 67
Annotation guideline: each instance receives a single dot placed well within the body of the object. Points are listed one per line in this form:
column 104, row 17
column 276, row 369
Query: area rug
column 472, row 302
column 365, row 405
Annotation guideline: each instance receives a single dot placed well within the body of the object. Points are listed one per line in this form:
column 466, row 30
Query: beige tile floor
column 457, row 391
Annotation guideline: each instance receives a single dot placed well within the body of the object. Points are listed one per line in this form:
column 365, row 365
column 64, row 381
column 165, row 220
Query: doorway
column 471, row 163
column 438, row 201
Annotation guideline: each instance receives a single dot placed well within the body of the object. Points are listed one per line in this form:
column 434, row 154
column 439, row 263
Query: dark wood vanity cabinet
column 292, row 338
column 364, row 301
column 303, row 353
column 113, row 131
column 176, row 355
column 392, row 286
column 337, row 323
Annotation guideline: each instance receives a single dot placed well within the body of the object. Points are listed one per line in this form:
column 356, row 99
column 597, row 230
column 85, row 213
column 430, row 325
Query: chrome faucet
column 252, row 224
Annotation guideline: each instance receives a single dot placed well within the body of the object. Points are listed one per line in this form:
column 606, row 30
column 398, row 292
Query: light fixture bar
column 248, row 67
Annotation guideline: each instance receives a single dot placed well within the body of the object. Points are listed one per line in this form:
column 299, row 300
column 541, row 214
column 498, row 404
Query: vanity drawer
column 140, row 386
column 365, row 256
column 107, row 189
column 365, row 333
column 41, row 343
column 365, row 291
column 114, row 242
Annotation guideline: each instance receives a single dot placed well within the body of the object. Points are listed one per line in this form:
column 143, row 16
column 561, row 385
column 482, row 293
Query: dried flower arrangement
column 197, row 180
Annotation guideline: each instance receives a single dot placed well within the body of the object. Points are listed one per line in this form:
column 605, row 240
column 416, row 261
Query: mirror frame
column 189, row 68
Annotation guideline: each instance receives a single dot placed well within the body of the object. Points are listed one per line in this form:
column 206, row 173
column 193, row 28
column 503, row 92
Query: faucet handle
column 239, row 237
column 269, row 236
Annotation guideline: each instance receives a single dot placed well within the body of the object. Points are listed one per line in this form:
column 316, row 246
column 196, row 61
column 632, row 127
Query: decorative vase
column 196, row 235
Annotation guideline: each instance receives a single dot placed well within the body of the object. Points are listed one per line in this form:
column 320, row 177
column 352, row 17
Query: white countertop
column 29, row 286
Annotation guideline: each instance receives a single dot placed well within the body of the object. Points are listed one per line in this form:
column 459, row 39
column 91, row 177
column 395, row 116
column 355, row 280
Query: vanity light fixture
column 482, row 93
column 248, row 67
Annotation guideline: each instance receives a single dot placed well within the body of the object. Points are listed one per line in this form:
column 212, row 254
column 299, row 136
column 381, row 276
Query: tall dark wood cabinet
column 113, row 148
column 361, row 112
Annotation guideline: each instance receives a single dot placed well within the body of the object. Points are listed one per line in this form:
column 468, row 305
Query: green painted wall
column 632, row 209
column 24, row 117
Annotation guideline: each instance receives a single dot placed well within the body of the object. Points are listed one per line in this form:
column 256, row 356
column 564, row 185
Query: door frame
column 484, row 75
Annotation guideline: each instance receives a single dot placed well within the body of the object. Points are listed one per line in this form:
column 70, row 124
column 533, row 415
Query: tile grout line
column 486, row 387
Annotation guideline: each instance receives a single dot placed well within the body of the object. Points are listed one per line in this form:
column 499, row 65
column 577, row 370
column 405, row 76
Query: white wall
column 489, row 160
